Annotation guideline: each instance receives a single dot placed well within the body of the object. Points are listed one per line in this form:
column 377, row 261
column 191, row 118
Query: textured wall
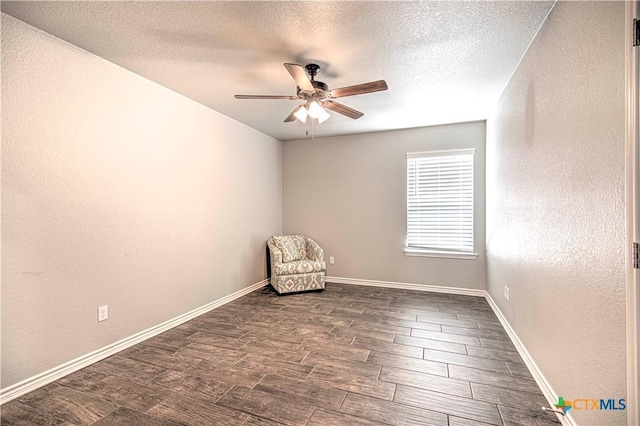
column 117, row 191
column 555, row 203
column 349, row 194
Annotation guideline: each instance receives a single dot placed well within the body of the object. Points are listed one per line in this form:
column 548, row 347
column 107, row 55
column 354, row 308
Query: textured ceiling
column 444, row 61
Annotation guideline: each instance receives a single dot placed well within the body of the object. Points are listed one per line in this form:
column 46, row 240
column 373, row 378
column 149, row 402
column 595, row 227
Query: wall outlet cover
column 103, row 313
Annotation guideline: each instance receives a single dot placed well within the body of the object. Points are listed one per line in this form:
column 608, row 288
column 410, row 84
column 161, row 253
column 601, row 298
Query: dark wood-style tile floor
column 350, row 355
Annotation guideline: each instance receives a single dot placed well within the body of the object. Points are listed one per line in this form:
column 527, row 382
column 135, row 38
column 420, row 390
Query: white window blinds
column 440, row 200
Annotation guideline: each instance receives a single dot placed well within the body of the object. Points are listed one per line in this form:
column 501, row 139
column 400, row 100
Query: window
column 440, row 204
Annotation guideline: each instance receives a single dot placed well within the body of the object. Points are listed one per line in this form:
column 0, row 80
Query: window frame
column 434, row 252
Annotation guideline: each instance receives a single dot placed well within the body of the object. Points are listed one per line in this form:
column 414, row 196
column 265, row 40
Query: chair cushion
column 293, row 247
column 300, row 267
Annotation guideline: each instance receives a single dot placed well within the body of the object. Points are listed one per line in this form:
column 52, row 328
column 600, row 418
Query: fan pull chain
column 313, row 139
column 310, row 124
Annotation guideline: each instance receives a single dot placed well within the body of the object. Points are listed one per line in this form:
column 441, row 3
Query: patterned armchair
column 297, row 264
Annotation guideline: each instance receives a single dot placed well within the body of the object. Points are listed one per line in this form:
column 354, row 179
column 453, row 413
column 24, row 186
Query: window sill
column 411, row 251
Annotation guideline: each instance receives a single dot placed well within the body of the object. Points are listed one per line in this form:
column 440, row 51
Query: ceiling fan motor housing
column 320, row 92
column 320, row 87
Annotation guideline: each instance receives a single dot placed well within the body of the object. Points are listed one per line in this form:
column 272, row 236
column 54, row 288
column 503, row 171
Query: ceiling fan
column 317, row 95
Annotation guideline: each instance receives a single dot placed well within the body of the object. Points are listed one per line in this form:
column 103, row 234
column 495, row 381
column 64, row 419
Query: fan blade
column 359, row 89
column 342, row 109
column 290, row 98
column 292, row 117
column 300, row 76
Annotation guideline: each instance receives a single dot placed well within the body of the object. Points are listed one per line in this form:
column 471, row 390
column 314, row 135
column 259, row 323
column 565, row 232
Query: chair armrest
column 276, row 254
column 314, row 251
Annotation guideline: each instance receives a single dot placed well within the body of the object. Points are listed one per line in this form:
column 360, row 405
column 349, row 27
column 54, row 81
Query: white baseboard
column 545, row 387
column 407, row 286
column 42, row 379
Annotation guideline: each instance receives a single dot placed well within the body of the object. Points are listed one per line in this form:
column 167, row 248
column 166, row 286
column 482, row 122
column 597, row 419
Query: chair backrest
column 292, row 247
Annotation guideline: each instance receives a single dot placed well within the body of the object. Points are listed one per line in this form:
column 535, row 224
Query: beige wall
column 117, row 191
column 349, row 194
column 555, row 203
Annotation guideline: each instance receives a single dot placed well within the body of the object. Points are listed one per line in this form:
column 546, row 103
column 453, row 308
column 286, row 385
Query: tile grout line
column 311, row 415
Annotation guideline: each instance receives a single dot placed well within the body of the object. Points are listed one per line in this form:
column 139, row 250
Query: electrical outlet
column 507, row 292
column 103, row 313
column 332, row 260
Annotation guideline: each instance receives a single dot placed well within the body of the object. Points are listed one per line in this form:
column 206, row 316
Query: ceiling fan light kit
column 301, row 113
column 317, row 112
column 317, row 95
